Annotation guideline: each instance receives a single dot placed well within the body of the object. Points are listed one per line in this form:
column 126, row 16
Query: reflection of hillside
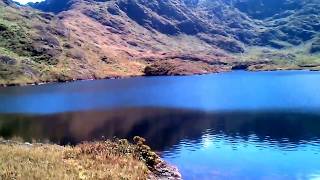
column 162, row 128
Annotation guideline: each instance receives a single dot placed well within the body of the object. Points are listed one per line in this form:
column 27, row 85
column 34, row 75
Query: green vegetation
column 30, row 40
column 297, row 57
column 315, row 46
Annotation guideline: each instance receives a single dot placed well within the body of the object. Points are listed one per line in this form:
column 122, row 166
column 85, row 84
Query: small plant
column 3, row 27
column 145, row 153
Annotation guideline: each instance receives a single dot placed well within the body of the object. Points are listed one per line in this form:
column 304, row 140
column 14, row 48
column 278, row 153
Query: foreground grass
column 99, row 160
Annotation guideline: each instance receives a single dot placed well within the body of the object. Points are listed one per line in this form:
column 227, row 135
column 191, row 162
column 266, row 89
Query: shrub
column 315, row 47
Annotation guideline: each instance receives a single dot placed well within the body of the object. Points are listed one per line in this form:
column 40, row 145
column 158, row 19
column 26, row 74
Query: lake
column 237, row 125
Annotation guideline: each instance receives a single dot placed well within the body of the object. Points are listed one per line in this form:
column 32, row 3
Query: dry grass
column 99, row 160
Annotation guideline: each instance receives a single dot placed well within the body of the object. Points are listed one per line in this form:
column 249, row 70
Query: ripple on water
column 266, row 128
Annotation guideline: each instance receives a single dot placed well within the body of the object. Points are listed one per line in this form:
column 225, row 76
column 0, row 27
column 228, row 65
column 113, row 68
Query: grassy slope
column 297, row 57
column 8, row 30
column 39, row 47
column 42, row 49
column 291, row 40
column 32, row 58
column 100, row 160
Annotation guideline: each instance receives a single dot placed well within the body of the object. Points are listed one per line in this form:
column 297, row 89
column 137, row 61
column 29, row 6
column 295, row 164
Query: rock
column 165, row 171
column 159, row 168
column 176, row 67
column 172, row 67
column 7, row 60
column 250, row 65
column 108, row 60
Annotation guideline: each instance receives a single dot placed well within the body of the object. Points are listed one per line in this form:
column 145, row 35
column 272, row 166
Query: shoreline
column 130, row 157
column 248, row 69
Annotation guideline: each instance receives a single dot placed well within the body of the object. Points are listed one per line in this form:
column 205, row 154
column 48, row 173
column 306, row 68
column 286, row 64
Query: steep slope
column 215, row 22
column 30, row 45
column 282, row 32
column 38, row 47
column 262, row 9
column 169, row 34
column 290, row 34
column 88, row 39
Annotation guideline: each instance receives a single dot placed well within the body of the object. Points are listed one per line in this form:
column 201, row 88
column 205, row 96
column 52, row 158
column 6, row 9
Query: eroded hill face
column 262, row 9
column 215, row 22
column 86, row 39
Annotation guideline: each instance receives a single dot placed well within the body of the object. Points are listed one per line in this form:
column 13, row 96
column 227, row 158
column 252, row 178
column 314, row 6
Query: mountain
column 87, row 39
column 262, row 9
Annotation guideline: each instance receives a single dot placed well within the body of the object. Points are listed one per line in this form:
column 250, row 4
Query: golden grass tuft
column 98, row 160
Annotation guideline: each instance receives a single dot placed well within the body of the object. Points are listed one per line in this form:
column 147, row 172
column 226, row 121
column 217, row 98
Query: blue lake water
column 237, row 125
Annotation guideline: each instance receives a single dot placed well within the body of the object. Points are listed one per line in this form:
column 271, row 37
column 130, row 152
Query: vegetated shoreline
column 110, row 159
column 245, row 66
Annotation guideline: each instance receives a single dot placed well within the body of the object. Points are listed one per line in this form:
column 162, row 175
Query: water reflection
column 204, row 145
column 165, row 128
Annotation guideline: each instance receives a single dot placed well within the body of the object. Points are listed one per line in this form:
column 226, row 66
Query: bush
column 3, row 27
column 315, row 47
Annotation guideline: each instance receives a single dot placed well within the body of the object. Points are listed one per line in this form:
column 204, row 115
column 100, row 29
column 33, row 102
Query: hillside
column 89, row 39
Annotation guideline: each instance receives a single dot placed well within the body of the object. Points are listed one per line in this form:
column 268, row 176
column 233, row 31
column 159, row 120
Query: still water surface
column 238, row 125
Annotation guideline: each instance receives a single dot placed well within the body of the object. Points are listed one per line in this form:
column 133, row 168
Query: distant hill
column 89, row 39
